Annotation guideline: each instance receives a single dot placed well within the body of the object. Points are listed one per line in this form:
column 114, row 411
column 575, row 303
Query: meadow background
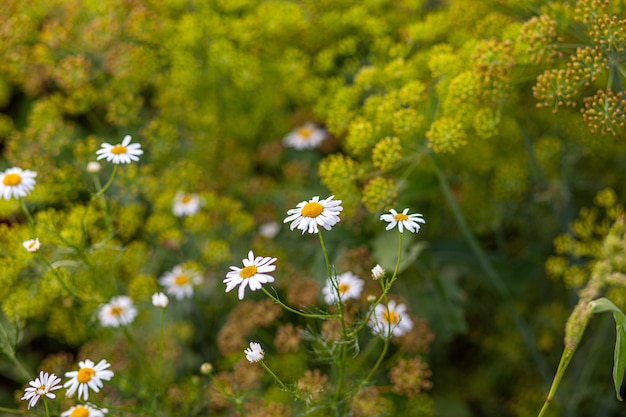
column 501, row 121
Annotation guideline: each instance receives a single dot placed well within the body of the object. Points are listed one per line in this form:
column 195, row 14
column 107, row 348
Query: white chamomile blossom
column 307, row 136
column 378, row 272
column 179, row 282
column 347, row 286
column 32, row 245
column 160, row 300
column 254, row 353
column 309, row 214
column 390, row 320
column 84, row 410
column 122, row 153
column 403, row 220
column 88, row 376
column 120, row 311
column 40, row 387
column 269, row 230
column 185, row 204
column 16, row 183
column 253, row 274
column 94, row 167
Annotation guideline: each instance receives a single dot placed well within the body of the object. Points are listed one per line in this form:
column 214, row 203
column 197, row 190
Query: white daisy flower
column 254, row 353
column 17, row 183
column 94, row 167
column 307, row 136
column 122, row 153
column 89, row 375
column 391, row 319
column 32, row 245
column 84, row 410
column 347, row 285
column 41, row 386
column 403, row 220
column 179, row 282
column 309, row 214
column 269, row 230
column 160, row 300
column 119, row 311
column 378, row 272
column 186, row 204
column 253, row 274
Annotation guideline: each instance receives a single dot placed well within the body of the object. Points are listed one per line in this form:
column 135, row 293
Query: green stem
column 13, row 411
column 58, row 276
column 107, row 185
column 378, row 362
column 276, row 378
column 492, row 276
column 328, row 268
column 566, row 357
column 46, row 405
column 298, row 312
column 29, row 217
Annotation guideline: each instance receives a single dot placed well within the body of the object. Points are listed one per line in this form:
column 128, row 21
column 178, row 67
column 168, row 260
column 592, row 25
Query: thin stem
column 161, row 343
column 494, row 279
column 276, row 378
column 29, row 217
column 58, row 276
column 13, row 411
column 298, row 312
column 566, row 357
column 378, row 362
column 328, row 268
column 46, row 405
column 107, row 185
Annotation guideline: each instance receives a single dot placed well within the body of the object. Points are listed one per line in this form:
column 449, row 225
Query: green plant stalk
column 566, row 357
column 107, row 185
column 46, row 405
column 494, row 279
column 13, row 411
column 58, row 277
column 29, row 217
column 276, row 378
column 298, row 312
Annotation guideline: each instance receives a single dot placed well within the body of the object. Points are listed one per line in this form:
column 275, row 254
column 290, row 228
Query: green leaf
column 619, row 359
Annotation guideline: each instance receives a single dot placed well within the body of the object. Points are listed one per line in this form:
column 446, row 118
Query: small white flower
column 347, row 286
column 254, row 353
column 122, row 153
column 378, row 272
column 253, row 274
column 88, row 376
column 94, row 167
column 119, row 311
column 32, row 245
column 16, row 183
column 160, row 300
column 84, row 410
column 391, row 319
column 179, row 282
column 40, row 387
column 186, row 204
column 269, row 230
column 309, row 214
column 403, row 220
column 307, row 136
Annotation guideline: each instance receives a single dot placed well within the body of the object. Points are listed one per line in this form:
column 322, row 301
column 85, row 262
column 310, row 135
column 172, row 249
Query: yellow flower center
column 79, row 411
column 391, row 317
column 84, row 375
column 305, row 132
column 312, row 209
column 11, row 179
column 32, row 245
column 118, row 149
column 343, row 288
column 185, row 199
column 248, row 272
column 116, row 311
column 401, row 217
column 42, row 390
column 181, row 279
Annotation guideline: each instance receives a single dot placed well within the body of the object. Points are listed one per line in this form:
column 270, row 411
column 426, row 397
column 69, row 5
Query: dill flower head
column 32, row 245
column 344, row 287
column 122, row 153
column 309, row 214
column 307, row 136
column 403, row 220
column 88, row 376
column 446, row 135
column 186, row 204
column 119, row 311
column 16, row 183
column 84, row 410
column 253, row 274
column 379, row 194
column 179, row 282
column 41, row 386
column 390, row 320
column 254, row 353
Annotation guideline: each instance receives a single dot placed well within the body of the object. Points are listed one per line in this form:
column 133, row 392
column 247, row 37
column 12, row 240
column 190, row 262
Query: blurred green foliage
column 502, row 121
